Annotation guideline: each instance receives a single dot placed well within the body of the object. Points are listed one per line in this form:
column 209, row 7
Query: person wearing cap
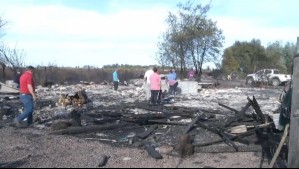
column 115, row 79
column 28, row 97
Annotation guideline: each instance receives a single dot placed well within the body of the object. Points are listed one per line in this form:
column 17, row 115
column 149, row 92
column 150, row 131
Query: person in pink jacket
column 155, row 81
column 192, row 74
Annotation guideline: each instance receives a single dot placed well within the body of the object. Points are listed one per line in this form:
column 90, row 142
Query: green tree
column 191, row 38
column 275, row 57
column 251, row 56
column 288, row 53
column 229, row 63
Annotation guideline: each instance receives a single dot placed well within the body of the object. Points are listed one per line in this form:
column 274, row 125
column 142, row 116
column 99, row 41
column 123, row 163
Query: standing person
column 28, row 97
column 172, row 82
column 115, row 79
column 191, row 74
column 17, row 79
column 147, row 85
column 155, row 80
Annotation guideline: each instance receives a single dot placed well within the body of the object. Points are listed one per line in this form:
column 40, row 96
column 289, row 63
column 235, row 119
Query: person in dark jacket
column 17, row 79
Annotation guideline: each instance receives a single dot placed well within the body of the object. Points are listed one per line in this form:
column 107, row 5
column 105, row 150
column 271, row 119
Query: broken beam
column 78, row 130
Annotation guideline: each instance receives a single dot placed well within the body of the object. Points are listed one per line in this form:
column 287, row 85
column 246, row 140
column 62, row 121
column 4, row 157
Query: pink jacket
column 155, row 81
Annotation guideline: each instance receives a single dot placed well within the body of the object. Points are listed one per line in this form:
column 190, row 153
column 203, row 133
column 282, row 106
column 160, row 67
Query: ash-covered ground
column 39, row 147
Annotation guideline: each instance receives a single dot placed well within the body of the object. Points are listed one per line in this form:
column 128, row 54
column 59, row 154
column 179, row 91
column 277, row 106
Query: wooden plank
column 293, row 160
column 285, row 134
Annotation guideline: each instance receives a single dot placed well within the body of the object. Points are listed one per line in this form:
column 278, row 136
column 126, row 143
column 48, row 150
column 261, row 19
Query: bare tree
column 2, row 25
column 13, row 58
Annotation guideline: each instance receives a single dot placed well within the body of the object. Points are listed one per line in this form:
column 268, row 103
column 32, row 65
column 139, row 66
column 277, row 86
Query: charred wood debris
column 164, row 129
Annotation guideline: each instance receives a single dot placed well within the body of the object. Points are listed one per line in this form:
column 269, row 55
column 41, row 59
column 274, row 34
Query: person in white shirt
column 147, row 85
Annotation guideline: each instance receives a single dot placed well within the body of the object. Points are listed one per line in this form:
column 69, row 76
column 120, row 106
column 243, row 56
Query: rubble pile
column 212, row 121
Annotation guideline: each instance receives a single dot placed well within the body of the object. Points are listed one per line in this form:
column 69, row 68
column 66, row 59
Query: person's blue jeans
column 28, row 104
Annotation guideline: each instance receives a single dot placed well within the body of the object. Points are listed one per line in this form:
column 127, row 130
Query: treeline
column 45, row 75
column 126, row 66
column 249, row 57
column 76, row 75
column 73, row 75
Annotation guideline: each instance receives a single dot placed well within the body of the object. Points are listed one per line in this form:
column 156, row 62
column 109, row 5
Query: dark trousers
column 115, row 85
column 156, row 96
column 172, row 88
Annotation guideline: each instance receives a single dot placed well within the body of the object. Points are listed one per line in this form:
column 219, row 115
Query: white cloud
column 71, row 37
column 57, row 20
column 247, row 29
column 58, row 28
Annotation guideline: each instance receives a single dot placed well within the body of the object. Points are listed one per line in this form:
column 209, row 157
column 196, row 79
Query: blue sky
column 100, row 32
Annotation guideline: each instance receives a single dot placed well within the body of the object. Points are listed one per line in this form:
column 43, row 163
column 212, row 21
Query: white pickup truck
column 269, row 76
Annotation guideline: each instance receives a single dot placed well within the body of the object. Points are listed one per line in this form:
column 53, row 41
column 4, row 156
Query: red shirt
column 25, row 80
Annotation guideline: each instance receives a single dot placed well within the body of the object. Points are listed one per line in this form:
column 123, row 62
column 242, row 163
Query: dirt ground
column 26, row 148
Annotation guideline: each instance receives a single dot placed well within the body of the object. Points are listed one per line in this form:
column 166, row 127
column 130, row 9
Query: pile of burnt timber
column 231, row 131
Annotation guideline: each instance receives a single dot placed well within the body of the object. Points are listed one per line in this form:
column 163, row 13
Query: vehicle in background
column 268, row 76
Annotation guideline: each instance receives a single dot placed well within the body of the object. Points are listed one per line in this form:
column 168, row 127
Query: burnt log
column 167, row 114
column 60, row 125
column 74, row 115
column 88, row 129
column 148, row 132
column 107, row 113
column 191, row 125
column 229, row 108
column 228, row 140
column 145, row 116
column 164, row 122
column 258, row 110
column 261, row 118
column 104, row 120
column 220, row 133
column 136, row 121
column 232, row 137
column 214, row 112
column 103, row 160
column 238, row 117
column 152, row 152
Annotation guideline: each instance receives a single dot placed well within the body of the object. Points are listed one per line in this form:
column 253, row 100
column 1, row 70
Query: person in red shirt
column 28, row 97
column 155, row 81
